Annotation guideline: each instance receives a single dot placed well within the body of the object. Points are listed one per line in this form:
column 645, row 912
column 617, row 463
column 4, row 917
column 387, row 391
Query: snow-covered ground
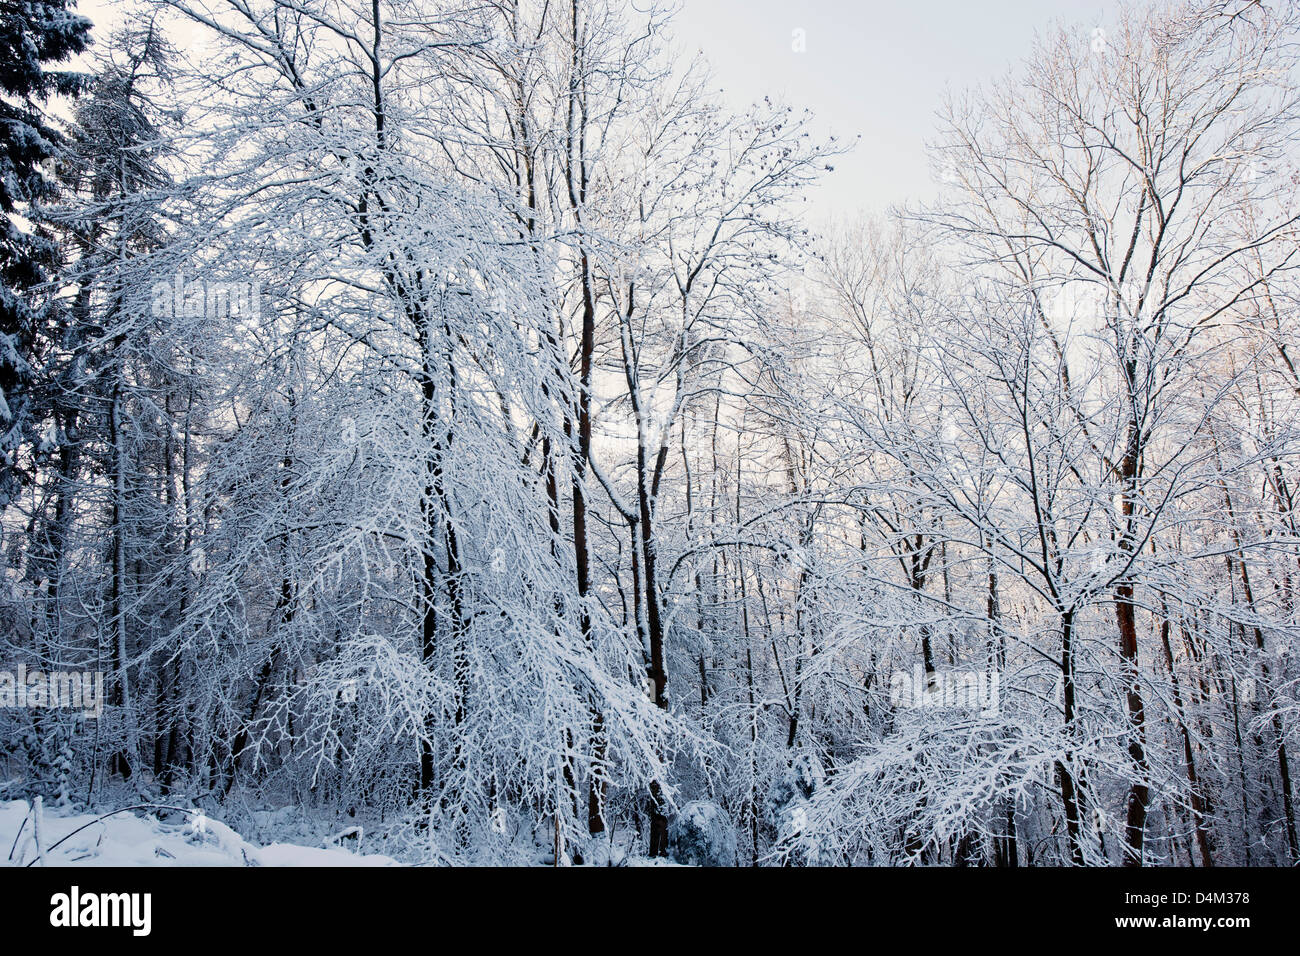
column 150, row 837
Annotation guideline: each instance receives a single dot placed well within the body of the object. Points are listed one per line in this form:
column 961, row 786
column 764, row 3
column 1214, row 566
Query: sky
column 875, row 68
column 878, row 68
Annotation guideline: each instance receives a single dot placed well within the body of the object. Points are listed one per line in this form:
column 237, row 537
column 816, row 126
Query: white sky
column 878, row 68
column 874, row 67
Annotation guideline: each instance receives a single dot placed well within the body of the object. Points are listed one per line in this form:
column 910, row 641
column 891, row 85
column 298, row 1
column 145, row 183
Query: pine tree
column 32, row 35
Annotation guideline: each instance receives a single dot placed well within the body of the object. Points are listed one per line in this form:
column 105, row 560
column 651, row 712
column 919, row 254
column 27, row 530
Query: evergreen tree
column 32, row 35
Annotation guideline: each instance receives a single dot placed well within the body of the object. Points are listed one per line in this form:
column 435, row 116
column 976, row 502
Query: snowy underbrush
column 244, row 834
column 151, row 836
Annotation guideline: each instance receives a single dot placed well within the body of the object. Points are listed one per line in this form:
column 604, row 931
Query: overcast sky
column 877, row 68
column 874, row 67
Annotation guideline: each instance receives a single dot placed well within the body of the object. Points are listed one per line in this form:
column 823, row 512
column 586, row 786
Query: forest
column 443, row 417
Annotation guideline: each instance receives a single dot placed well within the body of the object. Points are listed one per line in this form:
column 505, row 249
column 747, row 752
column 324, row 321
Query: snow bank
column 140, row 838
